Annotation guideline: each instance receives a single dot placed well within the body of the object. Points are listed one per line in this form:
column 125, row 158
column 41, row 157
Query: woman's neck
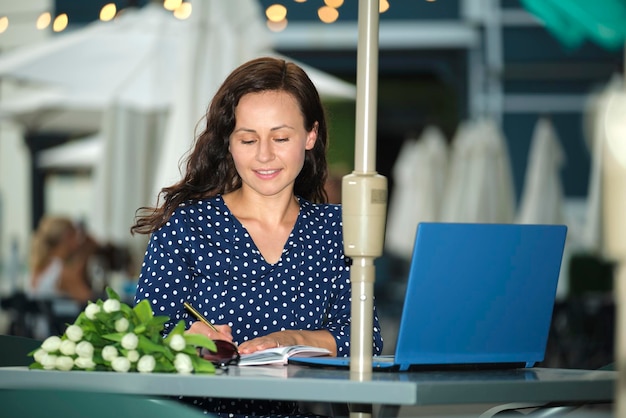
column 272, row 210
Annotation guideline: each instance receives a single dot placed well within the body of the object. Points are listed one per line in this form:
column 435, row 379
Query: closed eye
column 281, row 139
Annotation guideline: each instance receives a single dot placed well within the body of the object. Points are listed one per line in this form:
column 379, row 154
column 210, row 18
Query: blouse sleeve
column 166, row 272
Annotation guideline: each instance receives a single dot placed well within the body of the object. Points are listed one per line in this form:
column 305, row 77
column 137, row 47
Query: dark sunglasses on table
column 226, row 354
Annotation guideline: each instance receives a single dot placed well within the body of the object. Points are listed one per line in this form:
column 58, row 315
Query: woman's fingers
column 223, row 331
column 260, row 343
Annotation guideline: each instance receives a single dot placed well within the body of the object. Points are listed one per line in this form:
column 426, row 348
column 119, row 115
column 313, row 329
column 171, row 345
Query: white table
column 390, row 390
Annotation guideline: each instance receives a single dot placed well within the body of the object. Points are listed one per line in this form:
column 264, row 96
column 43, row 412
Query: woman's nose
column 265, row 151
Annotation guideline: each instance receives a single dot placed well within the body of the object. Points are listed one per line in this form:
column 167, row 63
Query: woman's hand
column 262, row 343
column 320, row 338
column 224, row 332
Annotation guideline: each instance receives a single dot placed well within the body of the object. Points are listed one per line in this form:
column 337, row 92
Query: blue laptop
column 478, row 296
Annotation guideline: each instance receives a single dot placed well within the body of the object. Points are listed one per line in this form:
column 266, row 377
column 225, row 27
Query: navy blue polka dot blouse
column 205, row 256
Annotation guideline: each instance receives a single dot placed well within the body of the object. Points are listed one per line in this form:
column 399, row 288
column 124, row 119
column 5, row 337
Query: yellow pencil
column 199, row 316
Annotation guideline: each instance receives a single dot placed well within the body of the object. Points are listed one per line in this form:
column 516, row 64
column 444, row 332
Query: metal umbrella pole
column 364, row 196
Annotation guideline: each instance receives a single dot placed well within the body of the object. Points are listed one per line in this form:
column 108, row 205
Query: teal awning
column 573, row 22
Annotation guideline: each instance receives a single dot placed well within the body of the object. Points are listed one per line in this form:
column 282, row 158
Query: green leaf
column 117, row 337
column 164, row 366
column 143, row 310
column 147, row 346
column 190, row 350
column 158, row 322
column 201, row 365
column 199, row 340
column 112, row 294
column 179, row 329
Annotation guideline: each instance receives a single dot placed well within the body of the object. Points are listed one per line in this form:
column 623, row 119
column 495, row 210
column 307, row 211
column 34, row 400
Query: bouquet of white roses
column 111, row 336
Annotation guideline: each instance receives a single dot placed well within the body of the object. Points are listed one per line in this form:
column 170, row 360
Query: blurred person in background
column 58, row 261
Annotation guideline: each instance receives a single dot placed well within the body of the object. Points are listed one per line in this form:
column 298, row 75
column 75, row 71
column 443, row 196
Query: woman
column 58, row 261
column 246, row 236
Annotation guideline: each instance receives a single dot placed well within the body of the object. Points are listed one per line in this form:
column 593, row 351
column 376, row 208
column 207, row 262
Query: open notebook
column 478, row 295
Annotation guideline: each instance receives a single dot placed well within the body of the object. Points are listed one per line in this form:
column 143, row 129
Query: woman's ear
column 312, row 137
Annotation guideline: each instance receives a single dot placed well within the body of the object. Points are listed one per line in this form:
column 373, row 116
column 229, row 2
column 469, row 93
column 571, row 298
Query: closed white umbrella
column 419, row 178
column 542, row 196
column 480, row 184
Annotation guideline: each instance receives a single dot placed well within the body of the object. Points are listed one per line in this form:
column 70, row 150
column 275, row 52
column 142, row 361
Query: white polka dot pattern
column 205, row 256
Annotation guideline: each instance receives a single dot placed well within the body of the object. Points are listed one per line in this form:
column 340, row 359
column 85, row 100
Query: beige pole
column 364, row 196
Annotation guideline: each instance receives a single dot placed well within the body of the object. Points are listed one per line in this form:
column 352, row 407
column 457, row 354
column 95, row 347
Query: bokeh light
column 172, row 5
column 383, row 6
column 60, row 22
column 327, row 14
column 43, row 21
column 183, row 11
column 334, row 3
column 4, row 24
column 108, row 12
column 276, row 12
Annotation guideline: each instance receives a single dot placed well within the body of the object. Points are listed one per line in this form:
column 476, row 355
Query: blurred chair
column 37, row 318
column 14, row 350
column 538, row 410
column 40, row 403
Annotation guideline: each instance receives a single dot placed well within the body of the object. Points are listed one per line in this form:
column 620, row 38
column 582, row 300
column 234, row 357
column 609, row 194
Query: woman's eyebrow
column 281, row 127
column 276, row 128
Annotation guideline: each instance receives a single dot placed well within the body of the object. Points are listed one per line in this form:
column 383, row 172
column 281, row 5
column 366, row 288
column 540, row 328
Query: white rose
column 68, row 347
column 109, row 352
column 48, row 361
column 132, row 356
column 183, row 364
column 38, row 355
column 121, row 325
column 111, row 305
column 74, row 333
column 146, row 364
column 91, row 310
column 84, row 349
column 64, row 363
column 130, row 341
column 84, row 363
column 177, row 343
column 120, row 364
column 51, row 344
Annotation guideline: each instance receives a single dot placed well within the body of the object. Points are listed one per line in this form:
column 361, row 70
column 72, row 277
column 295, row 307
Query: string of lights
column 276, row 14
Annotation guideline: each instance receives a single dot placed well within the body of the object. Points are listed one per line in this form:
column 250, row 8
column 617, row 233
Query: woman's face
column 269, row 142
column 69, row 244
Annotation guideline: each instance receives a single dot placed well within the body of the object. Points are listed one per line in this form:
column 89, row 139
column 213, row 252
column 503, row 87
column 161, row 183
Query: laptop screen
column 480, row 293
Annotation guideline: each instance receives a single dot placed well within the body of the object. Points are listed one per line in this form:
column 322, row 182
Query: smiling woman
column 247, row 237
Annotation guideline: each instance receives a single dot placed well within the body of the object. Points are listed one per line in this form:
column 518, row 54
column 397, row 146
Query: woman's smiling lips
column 267, row 174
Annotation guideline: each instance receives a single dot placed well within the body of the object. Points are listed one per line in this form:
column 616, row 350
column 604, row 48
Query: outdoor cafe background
column 463, row 84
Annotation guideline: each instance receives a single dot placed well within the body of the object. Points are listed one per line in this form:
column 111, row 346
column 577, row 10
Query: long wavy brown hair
column 210, row 169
